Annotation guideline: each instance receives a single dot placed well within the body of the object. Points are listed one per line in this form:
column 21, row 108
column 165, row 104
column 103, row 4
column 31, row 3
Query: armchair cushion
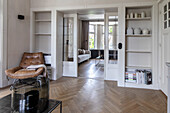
column 32, row 59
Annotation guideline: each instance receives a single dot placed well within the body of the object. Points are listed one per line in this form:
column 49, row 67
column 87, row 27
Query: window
column 169, row 14
column 113, row 29
column 165, row 16
column 96, row 35
column 113, row 26
column 91, row 36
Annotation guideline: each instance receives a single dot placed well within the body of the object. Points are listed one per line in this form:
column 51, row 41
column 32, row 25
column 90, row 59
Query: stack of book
column 139, row 77
column 130, row 77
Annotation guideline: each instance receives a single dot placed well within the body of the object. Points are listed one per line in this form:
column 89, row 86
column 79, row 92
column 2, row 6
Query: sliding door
column 111, row 49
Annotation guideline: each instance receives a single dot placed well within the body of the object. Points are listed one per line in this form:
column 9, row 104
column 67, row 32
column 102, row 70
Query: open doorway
column 92, row 49
column 93, row 42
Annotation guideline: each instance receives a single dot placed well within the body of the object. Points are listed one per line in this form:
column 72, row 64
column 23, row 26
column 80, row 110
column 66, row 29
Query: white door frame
column 164, row 54
column 110, row 70
column 3, row 42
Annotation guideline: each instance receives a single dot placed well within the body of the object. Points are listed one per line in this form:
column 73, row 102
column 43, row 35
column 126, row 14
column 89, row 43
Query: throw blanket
column 38, row 66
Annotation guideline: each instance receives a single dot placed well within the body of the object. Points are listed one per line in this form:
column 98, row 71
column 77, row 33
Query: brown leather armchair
column 28, row 59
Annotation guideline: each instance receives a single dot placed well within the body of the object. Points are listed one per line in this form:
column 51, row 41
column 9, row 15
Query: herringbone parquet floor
column 81, row 95
column 88, row 69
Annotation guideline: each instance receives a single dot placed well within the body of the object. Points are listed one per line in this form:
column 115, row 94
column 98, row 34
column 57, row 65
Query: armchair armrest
column 11, row 71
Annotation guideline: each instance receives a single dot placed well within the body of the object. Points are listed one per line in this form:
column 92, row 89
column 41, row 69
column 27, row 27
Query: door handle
column 120, row 45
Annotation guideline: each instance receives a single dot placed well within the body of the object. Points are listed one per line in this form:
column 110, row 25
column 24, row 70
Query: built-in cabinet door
column 70, row 63
column 111, row 46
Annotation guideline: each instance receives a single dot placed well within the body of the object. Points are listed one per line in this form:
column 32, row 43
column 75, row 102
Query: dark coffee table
column 5, row 106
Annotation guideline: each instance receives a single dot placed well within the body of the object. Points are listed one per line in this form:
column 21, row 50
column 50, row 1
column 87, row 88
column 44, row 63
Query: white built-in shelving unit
column 145, row 18
column 138, row 48
column 42, row 33
column 41, row 36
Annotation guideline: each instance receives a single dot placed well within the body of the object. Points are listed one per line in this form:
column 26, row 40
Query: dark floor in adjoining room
column 88, row 69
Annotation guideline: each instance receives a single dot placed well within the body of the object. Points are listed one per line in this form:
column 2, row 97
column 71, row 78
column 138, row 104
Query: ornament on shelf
column 136, row 15
column 143, row 14
column 137, row 31
column 131, row 15
column 128, row 16
column 145, row 31
column 139, row 15
column 129, row 31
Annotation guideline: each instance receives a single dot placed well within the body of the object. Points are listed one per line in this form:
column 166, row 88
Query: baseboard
column 6, row 83
column 164, row 94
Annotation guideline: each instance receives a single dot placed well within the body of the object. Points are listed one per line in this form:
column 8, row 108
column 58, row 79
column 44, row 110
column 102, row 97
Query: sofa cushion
column 80, row 52
column 87, row 52
column 83, row 57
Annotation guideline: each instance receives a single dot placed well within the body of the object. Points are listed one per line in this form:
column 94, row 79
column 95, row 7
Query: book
column 130, row 77
column 139, row 77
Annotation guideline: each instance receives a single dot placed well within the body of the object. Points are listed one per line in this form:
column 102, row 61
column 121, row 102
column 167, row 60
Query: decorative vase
column 137, row 31
column 131, row 15
column 128, row 16
column 145, row 31
column 129, row 31
column 143, row 15
column 136, row 15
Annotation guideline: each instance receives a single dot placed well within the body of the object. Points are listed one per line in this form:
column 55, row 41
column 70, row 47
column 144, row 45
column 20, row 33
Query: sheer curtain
column 99, row 37
column 85, row 35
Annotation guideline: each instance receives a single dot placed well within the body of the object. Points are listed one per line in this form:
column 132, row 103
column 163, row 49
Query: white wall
column 78, row 4
column 18, row 30
column 17, row 34
column 3, row 38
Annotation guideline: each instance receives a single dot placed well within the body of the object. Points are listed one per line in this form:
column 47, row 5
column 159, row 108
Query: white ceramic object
column 143, row 15
column 128, row 16
column 137, row 31
column 145, row 31
column 129, row 31
column 131, row 15
column 136, row 15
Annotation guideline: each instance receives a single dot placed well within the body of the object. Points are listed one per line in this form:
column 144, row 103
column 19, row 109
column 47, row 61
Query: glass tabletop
column 42, row 107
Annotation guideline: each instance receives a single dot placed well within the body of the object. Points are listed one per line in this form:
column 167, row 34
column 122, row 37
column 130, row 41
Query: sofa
column 83, row 55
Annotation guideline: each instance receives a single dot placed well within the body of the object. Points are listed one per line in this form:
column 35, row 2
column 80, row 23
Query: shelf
column 135, row 85
column 43, row 34
column 45, row 20
column 132, row 51
column 149, row 35
column 137, row 67
column 146, row 18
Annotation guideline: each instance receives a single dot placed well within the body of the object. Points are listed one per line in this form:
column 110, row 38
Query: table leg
column 61, row 107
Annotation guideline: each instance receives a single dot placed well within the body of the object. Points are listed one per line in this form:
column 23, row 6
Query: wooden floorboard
column 82, row 95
